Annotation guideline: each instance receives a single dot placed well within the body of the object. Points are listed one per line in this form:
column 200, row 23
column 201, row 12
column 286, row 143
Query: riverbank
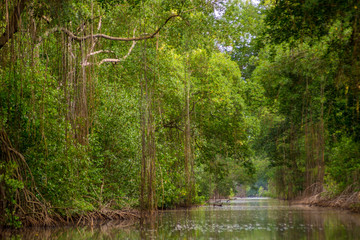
column 348, row 201
column 75, row 226
column 92, row 218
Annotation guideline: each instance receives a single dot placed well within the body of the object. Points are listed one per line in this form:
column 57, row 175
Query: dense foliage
column 96, row 122
column 156, row 104
column 309, row 68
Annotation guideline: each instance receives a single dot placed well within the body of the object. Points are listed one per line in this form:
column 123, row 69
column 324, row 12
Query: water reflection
column 240, row 219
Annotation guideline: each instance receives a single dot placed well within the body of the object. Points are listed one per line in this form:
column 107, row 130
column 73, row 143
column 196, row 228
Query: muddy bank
column 348, row 201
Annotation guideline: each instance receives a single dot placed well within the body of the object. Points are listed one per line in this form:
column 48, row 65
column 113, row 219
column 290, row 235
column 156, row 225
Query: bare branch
column 120, row 59
column 100, row 35
column 113, row 60
column 93, row 46
column 47, row 19
column 99, row 25
column 100, row 51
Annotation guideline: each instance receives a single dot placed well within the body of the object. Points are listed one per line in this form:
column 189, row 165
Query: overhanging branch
column 113, row 60
column 100, row 35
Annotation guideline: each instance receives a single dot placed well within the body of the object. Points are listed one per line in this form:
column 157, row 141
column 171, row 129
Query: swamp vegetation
column 108, row 107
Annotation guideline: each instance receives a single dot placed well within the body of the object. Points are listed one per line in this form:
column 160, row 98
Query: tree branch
column 113, row 60
column 119, row 59
column 13, row 24
column 100, row 51
column 100, row 35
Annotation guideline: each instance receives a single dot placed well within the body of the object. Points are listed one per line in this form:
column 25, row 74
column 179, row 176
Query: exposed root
column 348, row 199
column 29, row 205
column 25, row 201
column 313, row 189
column 104, row 216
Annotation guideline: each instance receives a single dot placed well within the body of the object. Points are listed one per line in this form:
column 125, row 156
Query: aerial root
column 30, row 206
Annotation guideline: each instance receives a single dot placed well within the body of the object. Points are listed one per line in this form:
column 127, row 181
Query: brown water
column 249, row 218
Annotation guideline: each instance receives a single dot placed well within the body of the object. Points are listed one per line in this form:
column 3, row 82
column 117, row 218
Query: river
column 247, row 218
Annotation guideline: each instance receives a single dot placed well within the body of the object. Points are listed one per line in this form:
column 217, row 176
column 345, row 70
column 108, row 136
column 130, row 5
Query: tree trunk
column 13, row 23
column 187, row 140
column 147, row 189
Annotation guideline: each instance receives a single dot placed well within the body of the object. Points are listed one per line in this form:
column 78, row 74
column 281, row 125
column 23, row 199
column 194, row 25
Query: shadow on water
column 254, row 218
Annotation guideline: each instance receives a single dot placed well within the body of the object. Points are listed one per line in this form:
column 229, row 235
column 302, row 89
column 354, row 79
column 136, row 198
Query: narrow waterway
column 249, row 218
